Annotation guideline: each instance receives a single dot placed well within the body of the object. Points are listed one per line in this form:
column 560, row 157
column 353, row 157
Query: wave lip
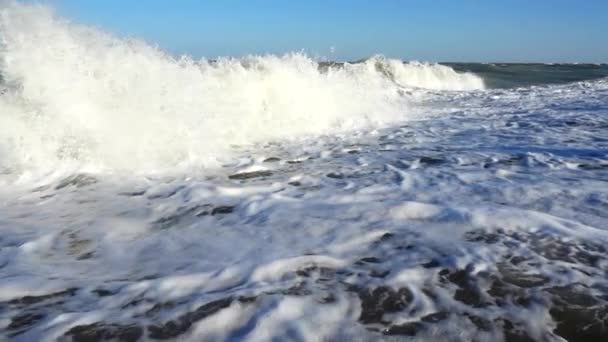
column 426, row 75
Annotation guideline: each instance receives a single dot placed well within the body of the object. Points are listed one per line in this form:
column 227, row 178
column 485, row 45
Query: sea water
column 147, row 196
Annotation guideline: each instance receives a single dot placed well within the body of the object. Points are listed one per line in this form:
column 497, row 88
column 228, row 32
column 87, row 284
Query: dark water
column 512, row 75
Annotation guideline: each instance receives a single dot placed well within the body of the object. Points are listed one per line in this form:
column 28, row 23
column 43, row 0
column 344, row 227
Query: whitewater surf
column 145, row 196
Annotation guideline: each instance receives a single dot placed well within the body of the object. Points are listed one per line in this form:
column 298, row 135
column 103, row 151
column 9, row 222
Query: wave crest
column 74, row 93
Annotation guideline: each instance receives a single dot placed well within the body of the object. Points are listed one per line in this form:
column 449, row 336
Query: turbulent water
column 149, row 197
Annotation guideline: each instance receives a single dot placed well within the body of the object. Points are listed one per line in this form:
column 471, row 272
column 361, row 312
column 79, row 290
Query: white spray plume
column 74, row 93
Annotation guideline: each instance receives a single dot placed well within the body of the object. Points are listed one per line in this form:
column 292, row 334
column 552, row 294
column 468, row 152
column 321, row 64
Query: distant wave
column 511, row 75
column 72, row 93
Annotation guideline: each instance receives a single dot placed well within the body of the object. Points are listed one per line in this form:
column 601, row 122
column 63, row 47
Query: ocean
column 145, row 196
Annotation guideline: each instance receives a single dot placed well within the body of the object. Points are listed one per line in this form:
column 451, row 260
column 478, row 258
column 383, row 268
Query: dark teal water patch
column 513, row 75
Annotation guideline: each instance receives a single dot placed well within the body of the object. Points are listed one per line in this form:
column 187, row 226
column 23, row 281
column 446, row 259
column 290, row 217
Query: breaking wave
column 72, row 93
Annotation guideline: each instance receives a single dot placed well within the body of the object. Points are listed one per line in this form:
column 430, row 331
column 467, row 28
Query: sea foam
column 75, row 94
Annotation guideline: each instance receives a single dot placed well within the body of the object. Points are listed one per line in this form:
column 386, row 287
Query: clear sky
column 430, row 30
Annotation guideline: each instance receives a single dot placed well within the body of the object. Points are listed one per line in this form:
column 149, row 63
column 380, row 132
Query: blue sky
column 431, row 30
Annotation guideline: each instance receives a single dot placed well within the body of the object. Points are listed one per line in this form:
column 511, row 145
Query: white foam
column 366, row 211
column 77, row 94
